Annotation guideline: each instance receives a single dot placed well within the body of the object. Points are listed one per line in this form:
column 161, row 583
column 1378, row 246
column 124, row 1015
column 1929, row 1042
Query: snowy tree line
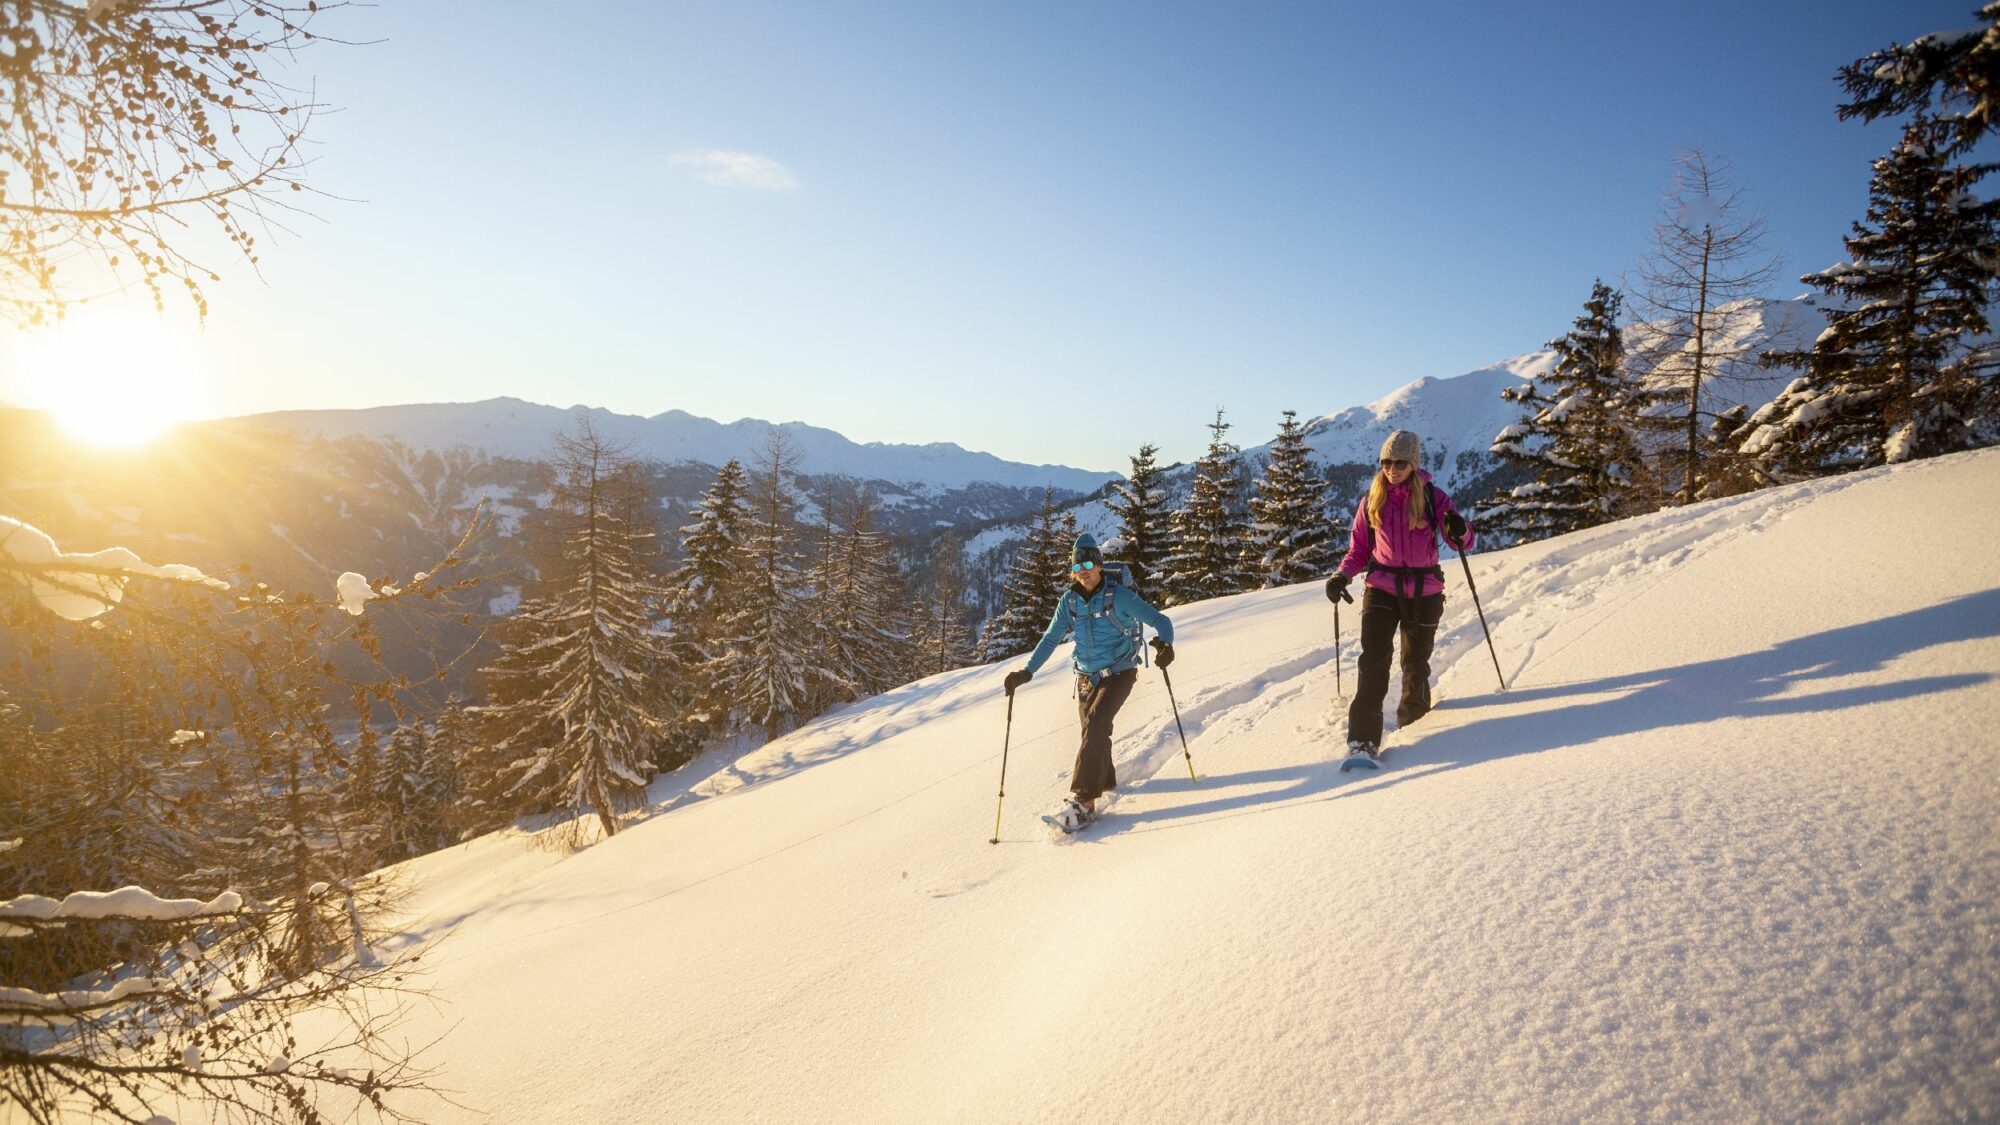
column 616, row 668
column 1231, row 534
column 1907, row 367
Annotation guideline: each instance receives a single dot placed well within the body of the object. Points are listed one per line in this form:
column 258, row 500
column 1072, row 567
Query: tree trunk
column 1700, row 350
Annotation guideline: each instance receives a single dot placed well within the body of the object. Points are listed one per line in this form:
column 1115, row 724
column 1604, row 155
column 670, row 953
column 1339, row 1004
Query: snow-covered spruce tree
column 1951, row 76
column 1728, row 470
column 1145, row 533
column 1895, row 375
column 1575, row 436
column 412, row 794
column 1210, row 533
column 1694, row 295
column 701, row 603
column 456, row 752
column 1026, row 601
column 776, row 669
column 361, row 794
column 1291, row 538
column 572, row 714
column 942, row 639
column 861, row 603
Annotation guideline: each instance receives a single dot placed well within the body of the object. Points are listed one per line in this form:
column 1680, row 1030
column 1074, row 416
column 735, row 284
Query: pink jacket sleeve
column 1471, row 532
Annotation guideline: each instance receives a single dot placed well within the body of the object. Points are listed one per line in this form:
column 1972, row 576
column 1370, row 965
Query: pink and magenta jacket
column 1398, row 544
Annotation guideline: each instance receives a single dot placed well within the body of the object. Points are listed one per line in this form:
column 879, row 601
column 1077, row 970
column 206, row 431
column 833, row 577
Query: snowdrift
column 1724, row 849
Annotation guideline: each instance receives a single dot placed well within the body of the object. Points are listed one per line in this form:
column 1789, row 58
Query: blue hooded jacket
column 1104, row 630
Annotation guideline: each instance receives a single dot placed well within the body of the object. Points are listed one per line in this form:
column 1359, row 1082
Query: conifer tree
column 776, row 671
column 1144, row 522
column 1952, row 76
column 407, row 797
column 455, row 749
column 862, row 605
column 944, row 640
column 1730, row 471
column 1291, row 538
column 573, row 715
column 1575, row 436
column 1210, row 532
column 701, row 602
column 1026, row 602
column 1896, row 374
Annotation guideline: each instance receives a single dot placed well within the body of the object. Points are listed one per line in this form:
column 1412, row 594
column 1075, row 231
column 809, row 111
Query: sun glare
column 114, row 380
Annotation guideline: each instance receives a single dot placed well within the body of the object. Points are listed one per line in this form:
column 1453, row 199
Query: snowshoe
column 1362, row 756
column 1072, row 817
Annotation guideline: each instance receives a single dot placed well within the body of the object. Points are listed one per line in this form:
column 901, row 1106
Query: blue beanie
column 1085, row 548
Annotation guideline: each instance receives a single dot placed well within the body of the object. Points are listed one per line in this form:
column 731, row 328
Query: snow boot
column 1362, row 756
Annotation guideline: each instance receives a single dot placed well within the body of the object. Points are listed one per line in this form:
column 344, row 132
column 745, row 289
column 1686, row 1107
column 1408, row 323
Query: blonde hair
column 1418, row 507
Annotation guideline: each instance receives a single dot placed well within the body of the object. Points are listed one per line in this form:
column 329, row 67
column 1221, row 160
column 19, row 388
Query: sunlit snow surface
column 1726, row 850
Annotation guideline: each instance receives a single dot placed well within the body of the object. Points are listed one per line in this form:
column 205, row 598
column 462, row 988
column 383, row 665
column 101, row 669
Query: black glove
column 1163, row 653
column 1016, row 678
column 1336, row 589
column 1454, row 529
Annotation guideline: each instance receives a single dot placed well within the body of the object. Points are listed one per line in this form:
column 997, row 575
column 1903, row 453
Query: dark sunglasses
column 1082, row 566
column 1395, row 464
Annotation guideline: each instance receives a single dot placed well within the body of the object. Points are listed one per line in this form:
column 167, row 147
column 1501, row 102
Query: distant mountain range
column 524, row 431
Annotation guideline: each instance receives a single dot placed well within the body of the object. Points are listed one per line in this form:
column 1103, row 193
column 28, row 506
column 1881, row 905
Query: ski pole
column 1005, row 740
column 1482, row 621
column 1177, row 726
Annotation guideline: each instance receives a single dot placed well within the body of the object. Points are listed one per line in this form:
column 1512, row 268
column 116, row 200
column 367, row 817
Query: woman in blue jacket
column 1106, row 618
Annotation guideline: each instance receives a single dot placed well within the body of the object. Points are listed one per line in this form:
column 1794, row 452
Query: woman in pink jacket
column 1395, row 541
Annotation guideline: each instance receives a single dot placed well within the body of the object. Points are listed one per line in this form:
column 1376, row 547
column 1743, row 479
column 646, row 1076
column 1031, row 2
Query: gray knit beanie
column 1403, row 446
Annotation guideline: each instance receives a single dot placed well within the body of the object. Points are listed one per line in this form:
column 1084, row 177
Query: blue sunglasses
column 1082, row 566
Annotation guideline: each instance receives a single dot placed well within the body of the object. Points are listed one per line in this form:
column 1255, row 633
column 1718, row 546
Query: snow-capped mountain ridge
column 514, row 428
column 1457, row 417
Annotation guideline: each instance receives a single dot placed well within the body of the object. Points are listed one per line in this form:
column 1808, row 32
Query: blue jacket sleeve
column 1059, row 627
column 1133, row 606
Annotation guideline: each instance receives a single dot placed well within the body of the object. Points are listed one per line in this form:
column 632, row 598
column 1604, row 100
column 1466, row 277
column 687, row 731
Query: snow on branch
column 25, row 1005
column 78, row 587
column 126, row 903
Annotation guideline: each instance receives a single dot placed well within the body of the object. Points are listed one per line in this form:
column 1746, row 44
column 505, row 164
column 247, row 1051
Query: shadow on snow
column 1754, row 685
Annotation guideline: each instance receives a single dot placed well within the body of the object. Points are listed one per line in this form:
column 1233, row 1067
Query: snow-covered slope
column 1725, row 850
column 509, row 427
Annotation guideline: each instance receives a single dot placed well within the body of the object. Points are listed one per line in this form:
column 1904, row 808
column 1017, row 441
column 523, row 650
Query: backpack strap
column 1109, row 589
column 1406, row 604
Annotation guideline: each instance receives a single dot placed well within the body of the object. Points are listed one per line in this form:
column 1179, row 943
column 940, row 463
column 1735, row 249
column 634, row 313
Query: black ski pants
column 1383, row 616
column 1096, row 706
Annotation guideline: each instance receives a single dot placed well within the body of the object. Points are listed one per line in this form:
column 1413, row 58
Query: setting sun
column 113, row 379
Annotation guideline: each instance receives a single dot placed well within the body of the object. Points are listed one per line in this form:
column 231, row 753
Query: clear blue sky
column 1048, row 230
